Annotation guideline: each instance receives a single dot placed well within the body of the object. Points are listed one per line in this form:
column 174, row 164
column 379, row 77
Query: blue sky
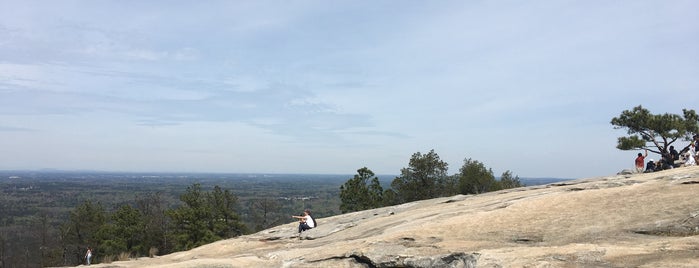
column 333, row 86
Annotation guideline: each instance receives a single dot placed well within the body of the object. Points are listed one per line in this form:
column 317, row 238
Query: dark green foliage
column 390, row 198
column 128, row 224
column 475, row 178
column 191, row 220
column 134, row 230
column 204, row 217
column 507, row 181
column 124, row 234
column 155, row 225
column 659, row 131
column 450, row 186
column 225, row 221
column 375, row 193
column 359, row 193
column 424, row 178
column 84, row 228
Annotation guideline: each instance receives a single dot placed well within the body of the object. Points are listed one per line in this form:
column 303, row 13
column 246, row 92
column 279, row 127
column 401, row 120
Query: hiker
column 88, row 255
column 691, row 157
column 640, row 162
column 674, row 154
column 306, row 222
column 650, row 167
column 664, row 163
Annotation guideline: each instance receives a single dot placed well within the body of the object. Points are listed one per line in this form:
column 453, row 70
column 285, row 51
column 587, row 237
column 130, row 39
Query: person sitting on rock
column 650, row 167
column 677, row 161
column 666, row 162
column 691, row 157
column 306, row 222
column 674, row 154
column 691, row 160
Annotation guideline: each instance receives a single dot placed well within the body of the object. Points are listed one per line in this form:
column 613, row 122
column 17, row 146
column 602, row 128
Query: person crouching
column 306, row 222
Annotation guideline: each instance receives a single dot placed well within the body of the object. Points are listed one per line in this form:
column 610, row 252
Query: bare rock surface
column 635, row 220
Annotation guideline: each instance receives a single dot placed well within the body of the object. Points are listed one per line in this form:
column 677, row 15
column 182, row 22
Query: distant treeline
column 50, row 218
column 425, row 177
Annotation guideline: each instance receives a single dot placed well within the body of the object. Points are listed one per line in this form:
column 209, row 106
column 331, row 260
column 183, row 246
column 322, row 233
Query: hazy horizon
column 382, row 177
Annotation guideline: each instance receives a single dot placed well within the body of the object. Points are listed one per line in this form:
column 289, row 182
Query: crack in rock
column 453, row 260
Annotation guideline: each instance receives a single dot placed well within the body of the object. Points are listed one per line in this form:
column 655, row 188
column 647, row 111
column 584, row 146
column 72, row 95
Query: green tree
column 390, row 197
column 224, row 222
column 191, row 220
column 155, row 225
column 424, row 178
column 475, row 178
column 361, row 192
column 82, row 230
column 655, row 132
column 204, row 217
column 508, row 181
column 126, row 234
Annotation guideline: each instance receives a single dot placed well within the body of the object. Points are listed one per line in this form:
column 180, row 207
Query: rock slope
column 641, row 220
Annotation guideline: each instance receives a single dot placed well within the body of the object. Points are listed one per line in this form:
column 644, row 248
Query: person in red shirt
column 640, row 162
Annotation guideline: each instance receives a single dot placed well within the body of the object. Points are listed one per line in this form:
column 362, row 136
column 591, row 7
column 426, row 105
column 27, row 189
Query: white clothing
column 310, row 222
column 690, row 160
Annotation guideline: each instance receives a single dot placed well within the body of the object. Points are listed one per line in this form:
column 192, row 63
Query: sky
column 329, row 87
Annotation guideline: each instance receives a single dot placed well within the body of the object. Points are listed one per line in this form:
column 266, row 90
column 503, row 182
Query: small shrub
column 152, row 252
column 124, row 256
column 108, row 259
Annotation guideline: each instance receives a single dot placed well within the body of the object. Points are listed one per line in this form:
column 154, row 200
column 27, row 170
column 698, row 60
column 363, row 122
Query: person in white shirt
column 88, row 255
column 691, row 157
column 306, row 221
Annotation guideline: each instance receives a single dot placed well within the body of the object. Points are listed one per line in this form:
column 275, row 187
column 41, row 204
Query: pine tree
column 359, row 193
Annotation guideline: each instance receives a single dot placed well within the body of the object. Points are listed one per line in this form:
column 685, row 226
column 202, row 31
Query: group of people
column 670, row 158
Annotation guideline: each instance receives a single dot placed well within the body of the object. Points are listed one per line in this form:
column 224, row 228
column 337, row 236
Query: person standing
column 640, row 162
column 88, row 255
column 691, row 156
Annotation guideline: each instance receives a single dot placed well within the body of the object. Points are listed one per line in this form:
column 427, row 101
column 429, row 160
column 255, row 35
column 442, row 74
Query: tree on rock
column 359, row 193
column 655, row 132
column 84, row 227
column 425, row 177
column 509, row 181
column 205, row 217
column 475, row 178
